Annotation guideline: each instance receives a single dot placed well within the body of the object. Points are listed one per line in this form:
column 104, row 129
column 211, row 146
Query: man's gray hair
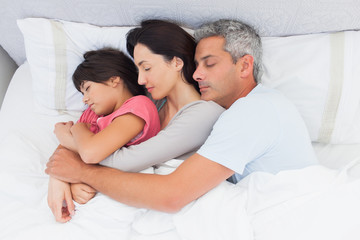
column 240, row 40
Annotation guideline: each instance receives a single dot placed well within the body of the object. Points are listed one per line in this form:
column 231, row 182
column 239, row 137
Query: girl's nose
column 85, row 99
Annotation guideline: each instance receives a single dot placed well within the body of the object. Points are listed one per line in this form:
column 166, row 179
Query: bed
column 311, row 54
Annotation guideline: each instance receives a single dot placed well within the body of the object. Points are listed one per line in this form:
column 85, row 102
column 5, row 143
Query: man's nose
column 198, row 75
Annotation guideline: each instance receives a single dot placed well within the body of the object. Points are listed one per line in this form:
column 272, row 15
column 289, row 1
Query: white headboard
column 270, row 17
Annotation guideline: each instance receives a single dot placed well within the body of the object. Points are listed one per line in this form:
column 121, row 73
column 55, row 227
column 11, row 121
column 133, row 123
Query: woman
column 164, row 53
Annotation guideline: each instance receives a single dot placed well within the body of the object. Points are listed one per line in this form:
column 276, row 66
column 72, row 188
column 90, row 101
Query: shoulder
column 259, row 109
column 202, row 107
column 140, row 106
column 88, row 116
column 261, row 101
column 138, row 99
column 138, row 103
column 197, row 115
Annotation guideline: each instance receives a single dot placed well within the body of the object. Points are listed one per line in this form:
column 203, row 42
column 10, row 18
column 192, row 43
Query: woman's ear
column 178, row 63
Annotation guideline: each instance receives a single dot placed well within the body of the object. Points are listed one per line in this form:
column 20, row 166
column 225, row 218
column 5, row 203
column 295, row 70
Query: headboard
column 270, row 17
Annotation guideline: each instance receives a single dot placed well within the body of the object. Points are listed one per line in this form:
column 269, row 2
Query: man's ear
column 246, row 65
column 178, row 63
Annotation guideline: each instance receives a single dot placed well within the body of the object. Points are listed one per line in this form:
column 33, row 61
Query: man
column 259, row 131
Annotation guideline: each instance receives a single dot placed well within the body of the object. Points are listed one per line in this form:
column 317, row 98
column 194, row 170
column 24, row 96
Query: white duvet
column 311, row 203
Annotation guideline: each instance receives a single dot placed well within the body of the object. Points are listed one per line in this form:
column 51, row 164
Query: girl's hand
column 79, row 125
column 82, row 193
column 62, row 130
column 58, row 193
column 63, row 134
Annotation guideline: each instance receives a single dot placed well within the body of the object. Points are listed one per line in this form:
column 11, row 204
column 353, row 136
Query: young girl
column 118, row 113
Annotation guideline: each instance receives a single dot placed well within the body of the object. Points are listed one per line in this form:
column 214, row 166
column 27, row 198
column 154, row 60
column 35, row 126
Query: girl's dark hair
column 166, row 39
column 100, row 65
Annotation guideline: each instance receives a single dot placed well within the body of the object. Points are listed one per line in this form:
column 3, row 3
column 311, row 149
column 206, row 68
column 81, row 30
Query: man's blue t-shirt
column 260, row 132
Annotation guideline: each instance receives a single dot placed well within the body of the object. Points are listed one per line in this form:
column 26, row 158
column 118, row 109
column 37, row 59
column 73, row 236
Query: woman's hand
column 58, row 193
column 82, row 193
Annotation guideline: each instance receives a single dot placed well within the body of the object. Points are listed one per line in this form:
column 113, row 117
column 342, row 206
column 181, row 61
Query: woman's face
column 158, row 75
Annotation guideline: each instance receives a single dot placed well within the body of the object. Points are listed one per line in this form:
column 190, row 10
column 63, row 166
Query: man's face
column 216, row 72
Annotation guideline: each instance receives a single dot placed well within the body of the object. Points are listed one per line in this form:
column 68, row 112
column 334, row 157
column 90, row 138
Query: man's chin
column 205, row 97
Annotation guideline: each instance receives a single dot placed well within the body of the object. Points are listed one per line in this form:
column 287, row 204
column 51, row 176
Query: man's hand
column 66, row 166
column 82, row 193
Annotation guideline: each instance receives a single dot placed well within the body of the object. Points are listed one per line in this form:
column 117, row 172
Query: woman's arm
column 186, row 132
column 58, row 192
column 95, row 147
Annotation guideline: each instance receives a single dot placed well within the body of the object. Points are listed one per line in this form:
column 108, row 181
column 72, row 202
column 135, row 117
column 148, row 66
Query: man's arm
column 169, row 193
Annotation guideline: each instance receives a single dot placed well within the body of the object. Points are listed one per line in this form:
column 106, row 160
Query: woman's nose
column 141, row 79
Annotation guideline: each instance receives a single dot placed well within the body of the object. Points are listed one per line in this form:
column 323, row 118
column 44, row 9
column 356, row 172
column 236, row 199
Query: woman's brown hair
column 167, row 39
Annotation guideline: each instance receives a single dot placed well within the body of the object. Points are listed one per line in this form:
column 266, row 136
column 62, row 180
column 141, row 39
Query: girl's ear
column 114, row 81
column 178, row 63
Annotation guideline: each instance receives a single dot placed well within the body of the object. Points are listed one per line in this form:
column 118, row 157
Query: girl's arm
column 93, row 148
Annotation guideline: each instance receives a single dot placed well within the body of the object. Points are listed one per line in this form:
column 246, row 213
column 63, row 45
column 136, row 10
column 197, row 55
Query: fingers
column 82, row 193
column 79, row 199
column 87, row 188
column 70, row 123
column 60, row 212
column 51, row 162
column 70, row 203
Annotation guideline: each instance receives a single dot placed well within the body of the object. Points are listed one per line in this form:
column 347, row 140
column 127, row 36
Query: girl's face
column 158, row 75
column 99, row 97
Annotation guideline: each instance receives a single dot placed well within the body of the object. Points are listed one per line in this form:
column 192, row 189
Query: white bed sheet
column 311, row 203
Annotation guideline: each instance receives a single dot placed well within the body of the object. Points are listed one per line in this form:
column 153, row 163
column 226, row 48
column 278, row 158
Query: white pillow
column 317, row 72
column 320, row 73
column 54, row 48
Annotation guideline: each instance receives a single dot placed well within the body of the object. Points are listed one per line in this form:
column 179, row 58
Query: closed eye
column 210, row 62
column 84, row 90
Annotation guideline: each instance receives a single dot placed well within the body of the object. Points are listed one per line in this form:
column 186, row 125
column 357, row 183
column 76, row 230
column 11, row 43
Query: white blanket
column 311, row 203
